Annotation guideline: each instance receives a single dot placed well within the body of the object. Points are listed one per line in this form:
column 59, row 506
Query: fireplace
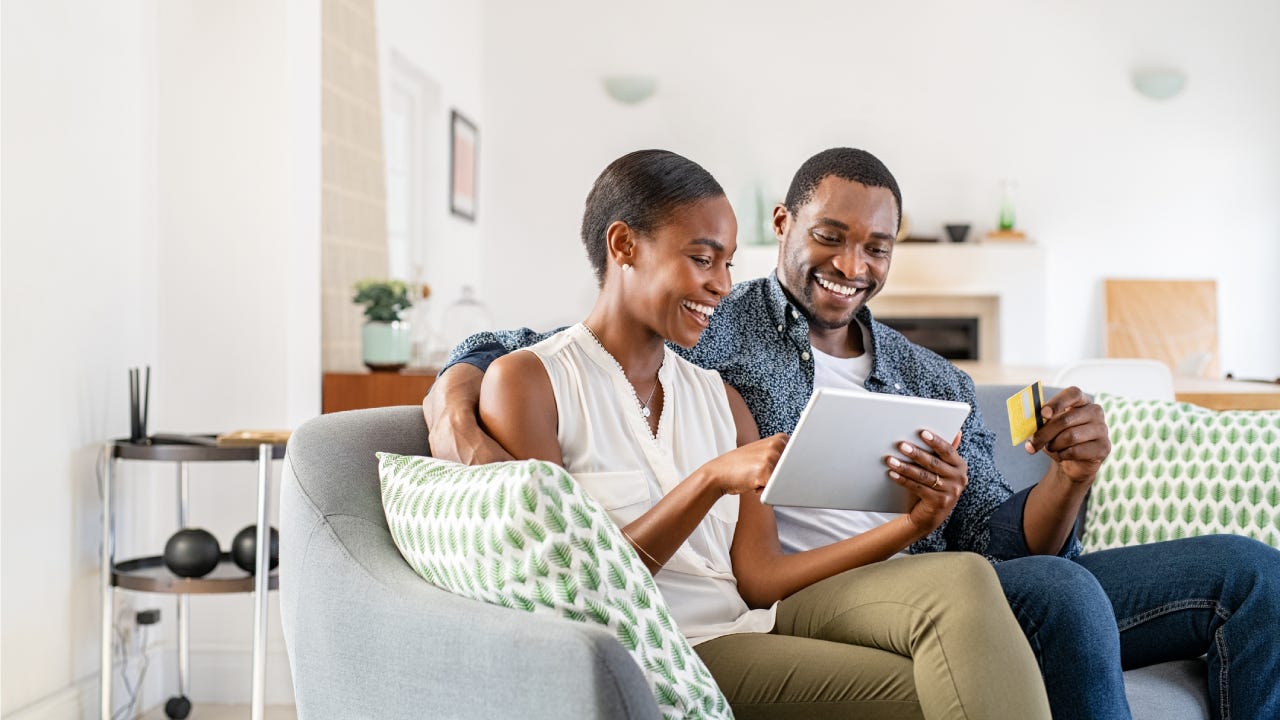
column 954, row 338
column 957, row 327
column 1000, row 283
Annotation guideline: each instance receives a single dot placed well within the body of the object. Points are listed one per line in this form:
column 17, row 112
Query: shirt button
column 804, row 355
column 779, row 328
column 794, row 314
column 897, row 386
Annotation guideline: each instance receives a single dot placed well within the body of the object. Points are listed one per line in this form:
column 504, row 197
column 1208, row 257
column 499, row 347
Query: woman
column 674, row 457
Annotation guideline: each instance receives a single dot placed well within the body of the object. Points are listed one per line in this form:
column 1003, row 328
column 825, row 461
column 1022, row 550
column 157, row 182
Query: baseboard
column 225, row 675
column 219, row 675
column 79, row 701
column 63, row 704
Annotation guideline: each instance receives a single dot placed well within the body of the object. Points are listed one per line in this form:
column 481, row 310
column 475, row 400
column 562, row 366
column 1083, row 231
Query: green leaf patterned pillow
column 524, row 535
column 1177, row 470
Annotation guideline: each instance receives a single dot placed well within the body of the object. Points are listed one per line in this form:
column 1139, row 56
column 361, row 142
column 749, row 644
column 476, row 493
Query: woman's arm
column 766, row 574
column 518, row 408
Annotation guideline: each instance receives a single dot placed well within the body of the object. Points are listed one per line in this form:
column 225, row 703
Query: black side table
column 149, row 574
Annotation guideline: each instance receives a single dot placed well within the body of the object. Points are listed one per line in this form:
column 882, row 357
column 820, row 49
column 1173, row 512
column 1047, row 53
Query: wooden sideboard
column 358, row 390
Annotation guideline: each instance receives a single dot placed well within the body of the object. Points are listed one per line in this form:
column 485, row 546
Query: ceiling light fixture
column 630, row 89
column 1159, row 83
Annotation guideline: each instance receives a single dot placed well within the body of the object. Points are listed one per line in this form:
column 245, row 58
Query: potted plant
column 385, row 340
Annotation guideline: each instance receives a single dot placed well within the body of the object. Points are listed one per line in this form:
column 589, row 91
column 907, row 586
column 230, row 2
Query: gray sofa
column 367, row 638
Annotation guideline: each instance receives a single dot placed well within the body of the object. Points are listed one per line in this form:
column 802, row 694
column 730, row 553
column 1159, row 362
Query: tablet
column 835, row 458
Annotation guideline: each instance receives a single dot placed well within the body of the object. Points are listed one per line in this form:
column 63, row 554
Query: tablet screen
column 835, row 458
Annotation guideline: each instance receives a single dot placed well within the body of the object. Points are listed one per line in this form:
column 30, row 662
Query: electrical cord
column 123, row 649
column 134, row 689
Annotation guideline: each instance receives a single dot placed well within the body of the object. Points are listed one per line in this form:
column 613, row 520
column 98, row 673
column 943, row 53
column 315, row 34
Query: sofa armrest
column 368, row 638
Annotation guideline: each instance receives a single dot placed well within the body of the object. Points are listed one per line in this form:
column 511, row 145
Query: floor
column 227, row 712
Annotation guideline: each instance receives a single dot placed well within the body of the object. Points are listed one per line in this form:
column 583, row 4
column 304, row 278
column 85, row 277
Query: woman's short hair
column 642, row 189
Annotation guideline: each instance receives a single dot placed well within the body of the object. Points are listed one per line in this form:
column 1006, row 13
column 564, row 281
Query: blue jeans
column 1091, row 618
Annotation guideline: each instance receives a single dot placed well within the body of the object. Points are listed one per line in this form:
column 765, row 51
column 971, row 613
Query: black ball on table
column 244, row 548
column 192, row 552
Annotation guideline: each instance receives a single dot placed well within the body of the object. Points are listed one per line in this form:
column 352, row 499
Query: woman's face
column 681, row 270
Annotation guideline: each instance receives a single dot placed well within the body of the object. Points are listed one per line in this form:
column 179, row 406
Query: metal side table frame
column 149, row 574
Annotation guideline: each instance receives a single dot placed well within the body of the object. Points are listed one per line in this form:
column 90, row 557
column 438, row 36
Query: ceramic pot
column 386, row 345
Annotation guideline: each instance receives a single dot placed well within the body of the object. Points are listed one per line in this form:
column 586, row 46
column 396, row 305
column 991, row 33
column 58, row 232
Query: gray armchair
column 368, row 638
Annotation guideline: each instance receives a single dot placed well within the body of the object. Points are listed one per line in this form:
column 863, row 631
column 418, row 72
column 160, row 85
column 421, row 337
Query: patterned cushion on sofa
column 1178, row 470
column 524, row 535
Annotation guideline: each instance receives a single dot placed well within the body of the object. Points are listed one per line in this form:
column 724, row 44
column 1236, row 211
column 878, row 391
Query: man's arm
column 1040, row 519
column 450, row 407
column 990, row 519
column 452, row 428
column 1075, row 437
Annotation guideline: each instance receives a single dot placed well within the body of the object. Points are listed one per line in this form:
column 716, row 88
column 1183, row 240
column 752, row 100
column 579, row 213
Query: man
column 1087, row 617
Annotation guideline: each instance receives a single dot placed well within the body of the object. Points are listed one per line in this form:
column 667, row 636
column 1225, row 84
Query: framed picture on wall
column 463, row 139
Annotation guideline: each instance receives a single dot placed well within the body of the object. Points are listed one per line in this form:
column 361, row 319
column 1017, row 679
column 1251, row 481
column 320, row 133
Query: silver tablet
column 835, row 458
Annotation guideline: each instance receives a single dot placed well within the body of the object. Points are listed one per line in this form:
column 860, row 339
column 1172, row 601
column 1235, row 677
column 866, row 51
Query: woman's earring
column 626, row 267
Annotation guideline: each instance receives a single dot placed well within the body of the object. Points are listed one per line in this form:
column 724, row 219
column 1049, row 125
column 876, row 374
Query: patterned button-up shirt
column 758, row 340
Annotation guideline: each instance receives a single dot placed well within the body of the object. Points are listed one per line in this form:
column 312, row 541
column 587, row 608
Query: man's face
column 835, row 251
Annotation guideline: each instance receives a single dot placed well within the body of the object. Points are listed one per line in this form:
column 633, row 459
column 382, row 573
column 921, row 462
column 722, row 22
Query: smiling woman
column 674, row 458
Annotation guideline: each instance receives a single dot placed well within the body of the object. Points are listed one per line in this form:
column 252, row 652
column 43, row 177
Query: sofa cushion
column 524, row 535
column 1178, row 470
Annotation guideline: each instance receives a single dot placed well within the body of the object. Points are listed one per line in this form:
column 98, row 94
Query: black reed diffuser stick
column 139, row 404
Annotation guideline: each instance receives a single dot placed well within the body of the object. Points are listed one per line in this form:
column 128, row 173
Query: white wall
column 443, row 40
column 161, row 206
column 952, row 96
column 79, row 290
column 238, row 268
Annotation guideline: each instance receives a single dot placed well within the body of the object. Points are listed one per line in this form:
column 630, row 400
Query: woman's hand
column 747, row 468
column 935, row 474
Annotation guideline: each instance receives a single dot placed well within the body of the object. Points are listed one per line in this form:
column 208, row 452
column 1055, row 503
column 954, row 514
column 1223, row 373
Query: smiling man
column 1087, row 618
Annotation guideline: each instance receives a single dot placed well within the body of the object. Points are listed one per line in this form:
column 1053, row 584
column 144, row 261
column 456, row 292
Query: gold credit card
column 1024, row 412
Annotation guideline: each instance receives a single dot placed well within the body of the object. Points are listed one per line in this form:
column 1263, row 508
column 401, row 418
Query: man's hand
column 450, row 411
column 936, row 474
column 1075, row 435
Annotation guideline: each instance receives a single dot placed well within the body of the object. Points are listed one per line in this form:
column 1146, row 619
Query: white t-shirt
column 607, row 446
column 807, row 528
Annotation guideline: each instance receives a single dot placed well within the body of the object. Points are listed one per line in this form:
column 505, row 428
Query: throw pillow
column 524, row 535
column 1177, row 470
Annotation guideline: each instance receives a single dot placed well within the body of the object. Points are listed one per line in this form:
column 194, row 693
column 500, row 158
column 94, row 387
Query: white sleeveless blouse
column 608, row 448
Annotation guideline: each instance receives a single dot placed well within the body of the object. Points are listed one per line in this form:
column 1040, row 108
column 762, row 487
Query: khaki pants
column 924, row 636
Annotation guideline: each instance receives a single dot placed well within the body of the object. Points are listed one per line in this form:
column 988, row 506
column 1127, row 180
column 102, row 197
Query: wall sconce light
column 1159, row 83
column 630, row 89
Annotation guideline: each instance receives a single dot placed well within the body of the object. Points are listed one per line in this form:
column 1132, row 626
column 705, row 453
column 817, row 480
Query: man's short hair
column 849, row 164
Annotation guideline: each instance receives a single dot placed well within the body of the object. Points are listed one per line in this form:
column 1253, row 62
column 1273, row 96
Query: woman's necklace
column 644, row 404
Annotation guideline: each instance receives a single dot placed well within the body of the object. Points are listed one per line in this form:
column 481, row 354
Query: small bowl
column 957, row 232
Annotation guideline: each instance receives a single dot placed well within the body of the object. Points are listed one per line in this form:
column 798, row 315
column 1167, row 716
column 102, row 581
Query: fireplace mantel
column 947, row 278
